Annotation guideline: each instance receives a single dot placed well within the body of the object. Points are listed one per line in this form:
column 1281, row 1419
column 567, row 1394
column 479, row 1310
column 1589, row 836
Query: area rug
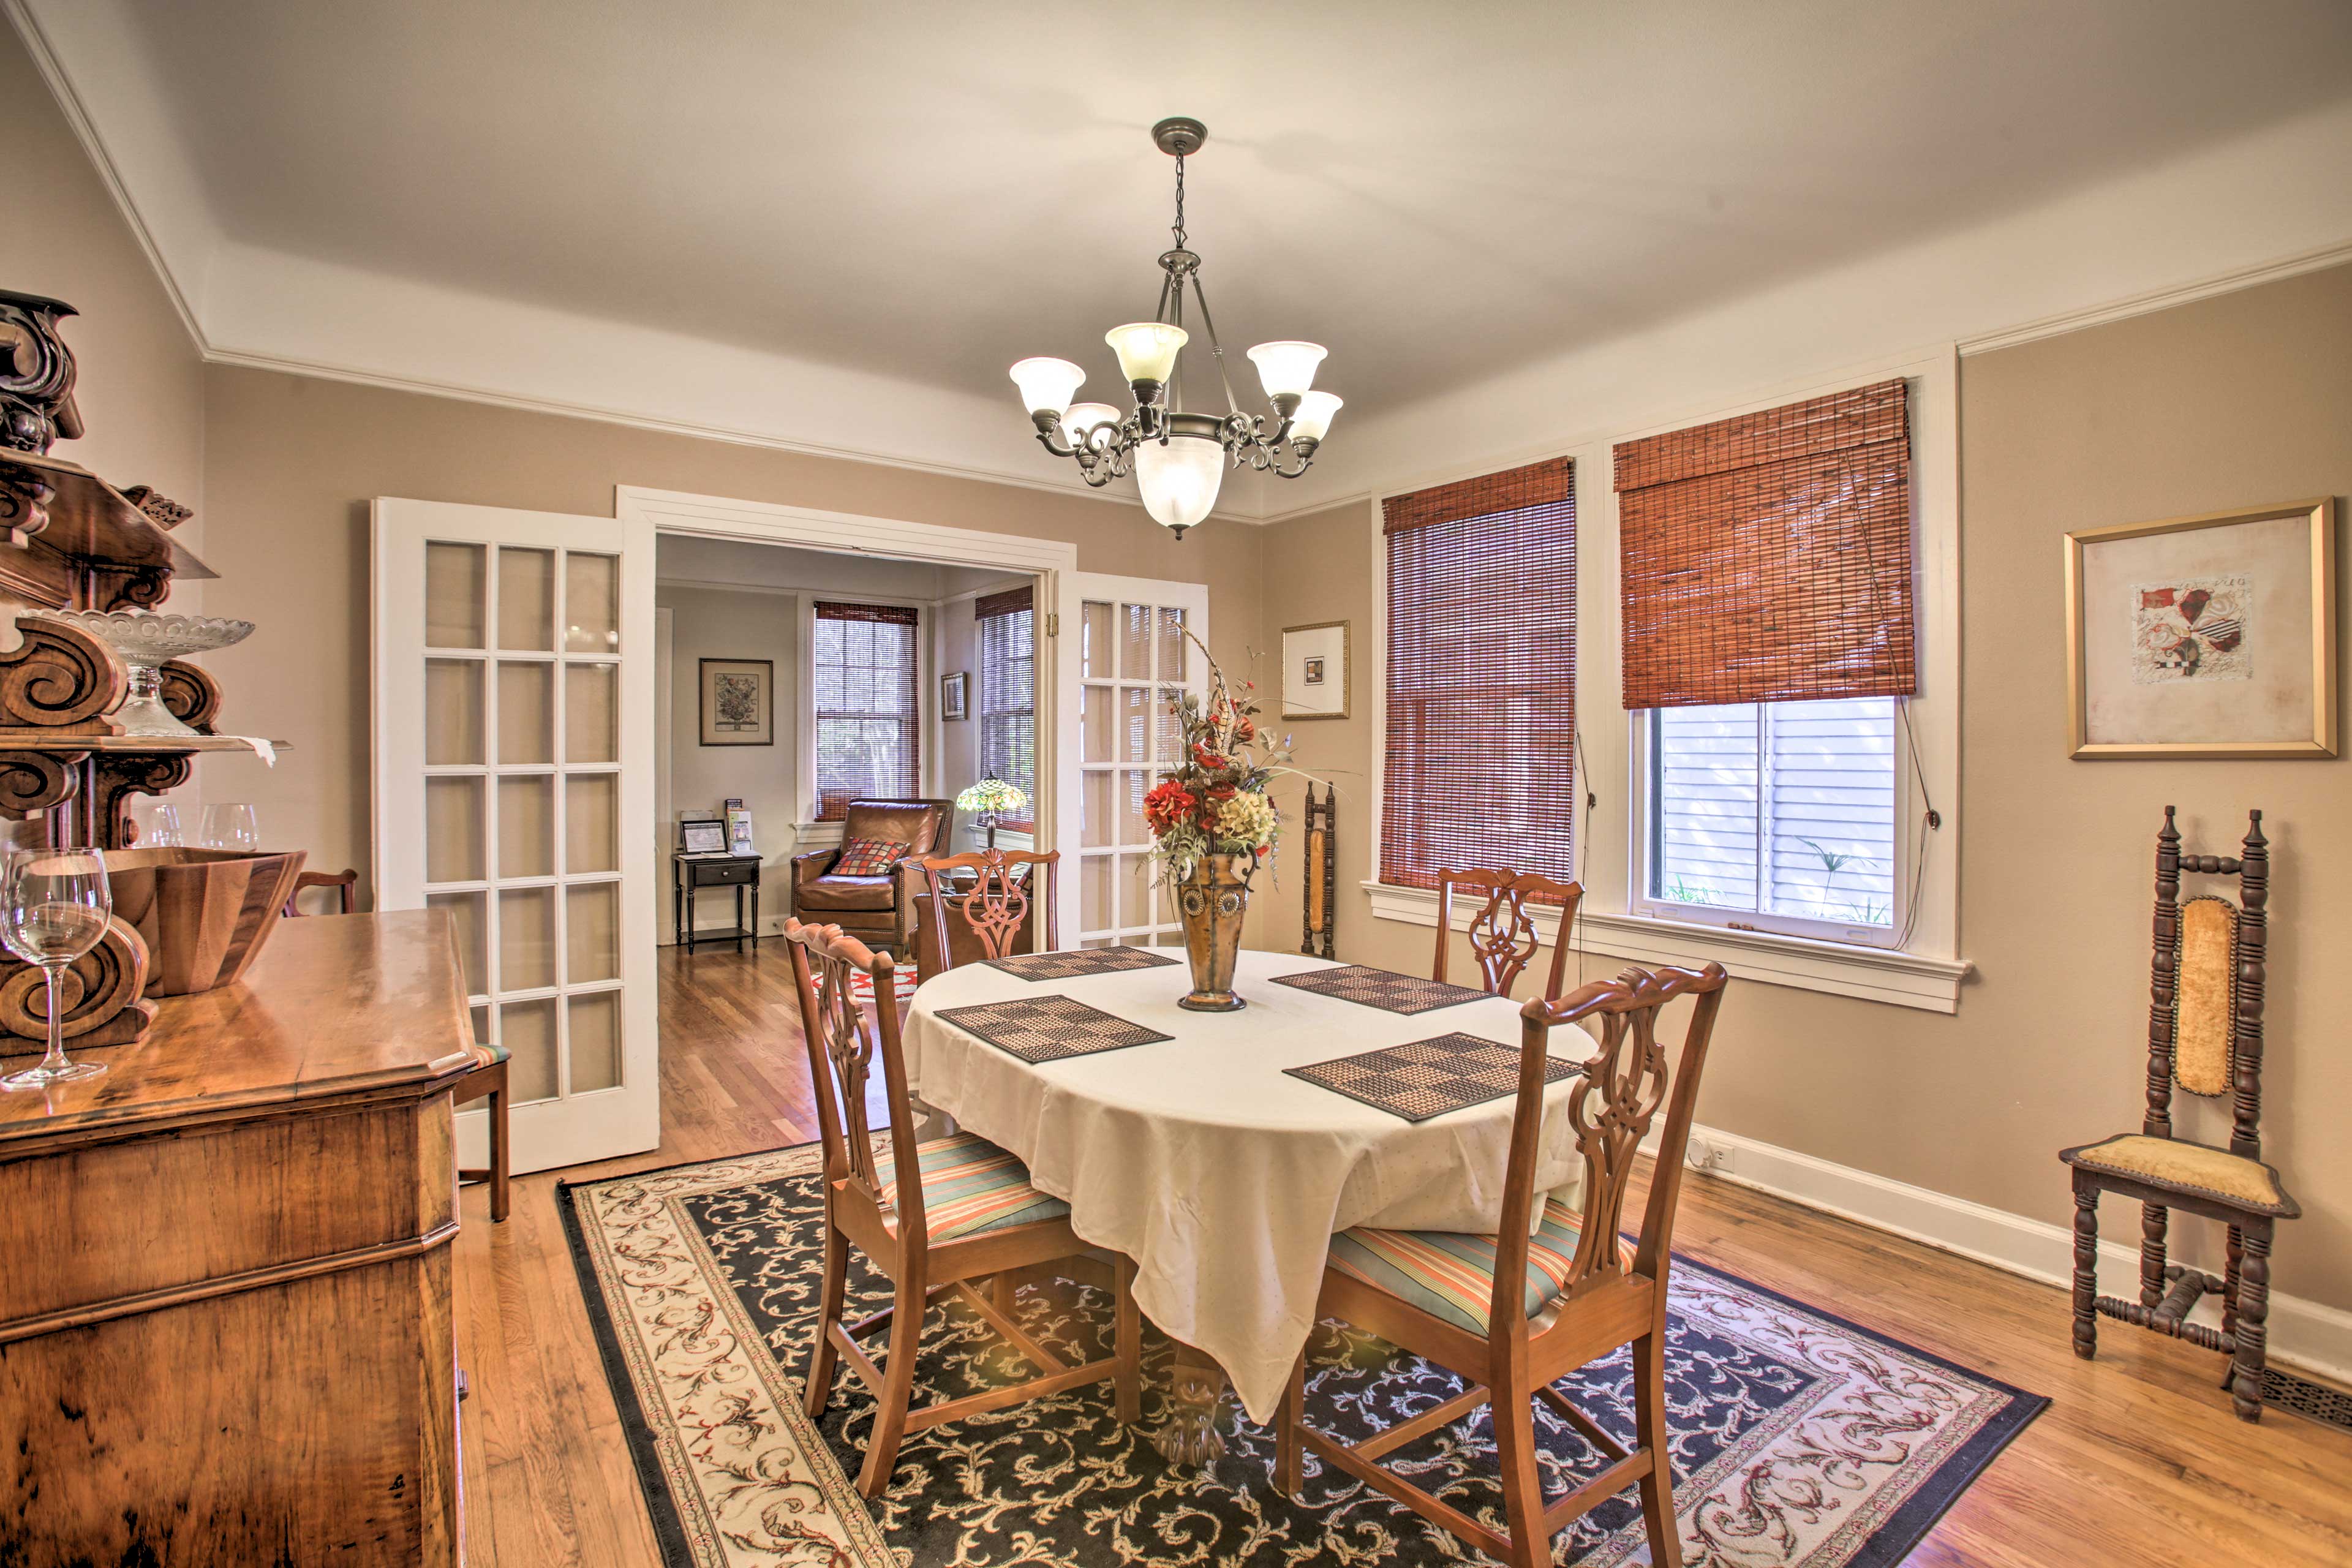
column 1799, row 1439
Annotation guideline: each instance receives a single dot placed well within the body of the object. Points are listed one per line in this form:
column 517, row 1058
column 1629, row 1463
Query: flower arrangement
column 1214, row 801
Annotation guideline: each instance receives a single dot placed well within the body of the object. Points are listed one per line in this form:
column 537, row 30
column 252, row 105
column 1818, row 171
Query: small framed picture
column 2212, row 636
column 955, row 694
column 704, row 837
column 738, row 701
column 1315, row 671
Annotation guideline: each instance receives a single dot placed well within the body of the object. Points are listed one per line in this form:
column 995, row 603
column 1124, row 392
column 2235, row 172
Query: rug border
column 1888, row 1545
column 1925, row 1508
column 645, row 1448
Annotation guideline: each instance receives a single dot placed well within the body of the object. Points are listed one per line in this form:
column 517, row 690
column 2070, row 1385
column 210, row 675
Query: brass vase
column 1213, row 902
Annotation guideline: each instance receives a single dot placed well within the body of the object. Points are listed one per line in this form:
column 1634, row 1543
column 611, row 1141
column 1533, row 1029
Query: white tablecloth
column 1198, row 1157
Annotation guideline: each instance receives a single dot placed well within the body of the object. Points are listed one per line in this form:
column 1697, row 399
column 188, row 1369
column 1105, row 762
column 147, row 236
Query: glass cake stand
column 145, row 643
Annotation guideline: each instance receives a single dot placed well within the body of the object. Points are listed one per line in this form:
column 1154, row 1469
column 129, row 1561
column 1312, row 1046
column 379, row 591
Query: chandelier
column 1178, row 458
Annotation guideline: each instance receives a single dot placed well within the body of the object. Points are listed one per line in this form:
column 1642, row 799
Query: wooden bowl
column 203, row 914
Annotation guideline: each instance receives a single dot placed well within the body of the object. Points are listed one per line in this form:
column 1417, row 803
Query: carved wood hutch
column 227, row 1330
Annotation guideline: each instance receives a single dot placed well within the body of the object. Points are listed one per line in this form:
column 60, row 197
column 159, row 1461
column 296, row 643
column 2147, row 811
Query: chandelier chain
column 1178, row 230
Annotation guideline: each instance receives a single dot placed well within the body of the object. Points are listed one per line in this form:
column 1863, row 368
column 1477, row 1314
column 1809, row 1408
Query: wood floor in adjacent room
column 2138, row 1460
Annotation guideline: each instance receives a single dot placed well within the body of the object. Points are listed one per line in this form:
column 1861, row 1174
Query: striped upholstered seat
column 1451, row 1275
column 971, row 1187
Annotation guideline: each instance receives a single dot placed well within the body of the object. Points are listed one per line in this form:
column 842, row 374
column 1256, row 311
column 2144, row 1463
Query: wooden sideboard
column 225, row 1323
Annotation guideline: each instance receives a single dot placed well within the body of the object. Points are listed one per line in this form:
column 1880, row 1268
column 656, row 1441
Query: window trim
column 1643, row 802
column 1929, row 972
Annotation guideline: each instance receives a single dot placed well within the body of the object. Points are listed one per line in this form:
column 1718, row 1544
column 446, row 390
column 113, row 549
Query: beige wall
column 711, row 623
column 141, row 383
column 2240, row 400
column 292, row 462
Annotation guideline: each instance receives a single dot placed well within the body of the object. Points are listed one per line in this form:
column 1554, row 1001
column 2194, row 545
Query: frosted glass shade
column 1047, row 384
column 1086, row 417
column 1286, row 369
column 1180, row 477
column 1147, row 350
column 1313, row 420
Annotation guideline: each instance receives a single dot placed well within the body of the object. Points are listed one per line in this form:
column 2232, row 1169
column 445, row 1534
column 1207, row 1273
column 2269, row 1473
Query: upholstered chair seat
column 2178, row 1165
column 1452, row 1276
column 970, row 1187
column 831, row 892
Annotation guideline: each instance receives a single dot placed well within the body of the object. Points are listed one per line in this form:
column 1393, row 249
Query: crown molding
column 69, row 104
column 2155, row 300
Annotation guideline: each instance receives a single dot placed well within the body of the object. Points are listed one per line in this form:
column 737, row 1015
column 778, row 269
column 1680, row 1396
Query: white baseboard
column 2303, row 1333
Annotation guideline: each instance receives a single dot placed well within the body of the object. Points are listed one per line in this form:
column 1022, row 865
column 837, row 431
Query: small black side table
column 689, row 874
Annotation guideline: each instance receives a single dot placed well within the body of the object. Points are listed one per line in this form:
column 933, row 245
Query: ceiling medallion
column 1178, row 458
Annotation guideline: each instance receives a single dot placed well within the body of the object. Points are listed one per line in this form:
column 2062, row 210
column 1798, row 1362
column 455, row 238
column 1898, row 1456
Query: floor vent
column 2316, row 1401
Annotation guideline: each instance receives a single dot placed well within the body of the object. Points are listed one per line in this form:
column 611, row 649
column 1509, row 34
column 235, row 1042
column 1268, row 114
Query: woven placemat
column 1049, row 1028
column 1428, row 1077
column 1391, row 992
column 1079, row 964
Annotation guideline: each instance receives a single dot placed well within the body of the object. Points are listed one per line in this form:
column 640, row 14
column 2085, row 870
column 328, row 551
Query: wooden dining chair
column 342, row 881
column 1513, row 1313
column 995, row 911
column 1503, row 934
column 947, row 1212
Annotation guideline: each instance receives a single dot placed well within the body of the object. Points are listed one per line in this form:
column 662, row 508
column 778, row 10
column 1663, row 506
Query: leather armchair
column 878, row 909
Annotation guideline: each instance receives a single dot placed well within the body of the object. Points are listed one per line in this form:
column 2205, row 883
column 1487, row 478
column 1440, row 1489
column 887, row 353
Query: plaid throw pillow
column 869, row 857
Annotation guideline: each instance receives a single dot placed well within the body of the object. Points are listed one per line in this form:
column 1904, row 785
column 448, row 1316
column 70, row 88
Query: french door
column 1128, row 659
column 513, row 672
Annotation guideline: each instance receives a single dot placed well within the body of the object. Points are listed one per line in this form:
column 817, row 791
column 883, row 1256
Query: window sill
column 1874, row 974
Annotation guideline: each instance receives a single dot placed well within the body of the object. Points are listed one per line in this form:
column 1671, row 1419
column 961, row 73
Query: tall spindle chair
column 946, row 1212
column 1513, row 1313
column 997, row 907
column 2204, row 1036
column 1503, row 934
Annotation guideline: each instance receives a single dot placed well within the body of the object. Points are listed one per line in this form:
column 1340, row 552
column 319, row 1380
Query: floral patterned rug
column 1799, row 1439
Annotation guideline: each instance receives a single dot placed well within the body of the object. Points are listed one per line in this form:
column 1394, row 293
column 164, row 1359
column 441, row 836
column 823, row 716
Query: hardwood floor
column 2137, row 1462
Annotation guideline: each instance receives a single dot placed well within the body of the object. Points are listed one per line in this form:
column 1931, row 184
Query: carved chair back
column 846, row 1042
column 2205, row 1006
column 998, row 904
column 1625, row 1081
column 1503, row 934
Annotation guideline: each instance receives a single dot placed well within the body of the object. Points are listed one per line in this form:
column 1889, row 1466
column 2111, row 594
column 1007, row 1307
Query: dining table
column 1220, row 1172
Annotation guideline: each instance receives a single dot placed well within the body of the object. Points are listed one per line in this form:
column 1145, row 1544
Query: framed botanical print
column 738, row 701
column 1315, row 671
column 2212, row 636
column 955, row 695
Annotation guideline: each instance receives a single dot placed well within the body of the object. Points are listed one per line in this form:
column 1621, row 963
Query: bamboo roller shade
column 870, row 692
column 1768, row 558
column 1480, row 677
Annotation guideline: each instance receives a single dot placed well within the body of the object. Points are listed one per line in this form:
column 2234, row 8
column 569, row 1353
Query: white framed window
column 868, row 718
column 1775, row 816
column 1008, row 694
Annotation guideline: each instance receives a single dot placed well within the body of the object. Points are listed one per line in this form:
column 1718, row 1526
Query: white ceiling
column 837, row 224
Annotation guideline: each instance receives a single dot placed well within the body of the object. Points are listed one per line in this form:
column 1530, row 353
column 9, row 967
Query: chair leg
column 1650, row 1432
column 2254, row 1298
column 2237, row 1255
column 2152, row 1217
column 2086, row 1269
column 500, row 1152
column 897, row 1387
column 1129, row 1380
column 1513, row 1415
column 1286, row 1477
column 833, row 1285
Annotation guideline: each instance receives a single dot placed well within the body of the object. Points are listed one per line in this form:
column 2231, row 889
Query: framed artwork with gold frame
column 1315, row 671
column 2212, row 636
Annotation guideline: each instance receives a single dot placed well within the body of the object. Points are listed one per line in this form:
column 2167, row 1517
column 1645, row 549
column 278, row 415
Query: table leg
column 1189, row 1435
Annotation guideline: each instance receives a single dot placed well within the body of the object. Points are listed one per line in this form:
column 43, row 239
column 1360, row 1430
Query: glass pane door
column 504, row 701
column 1134, row 659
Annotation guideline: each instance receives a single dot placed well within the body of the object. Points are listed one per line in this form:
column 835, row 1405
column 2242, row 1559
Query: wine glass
column 54, row 907
column 159, row 824
column 232, row 827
